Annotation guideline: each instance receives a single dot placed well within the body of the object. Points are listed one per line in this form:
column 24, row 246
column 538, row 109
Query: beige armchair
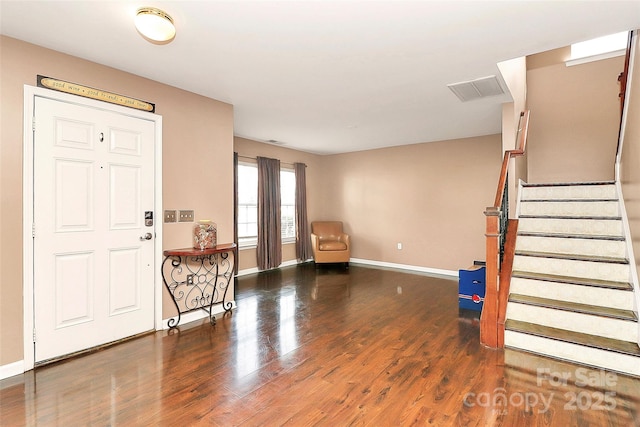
column 329, row 243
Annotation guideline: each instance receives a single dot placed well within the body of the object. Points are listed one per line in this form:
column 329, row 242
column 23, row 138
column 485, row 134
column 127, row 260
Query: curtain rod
column 240, row 156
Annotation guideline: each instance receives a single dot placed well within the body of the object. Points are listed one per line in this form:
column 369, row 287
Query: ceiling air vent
column 476, row 89
column 275, row 142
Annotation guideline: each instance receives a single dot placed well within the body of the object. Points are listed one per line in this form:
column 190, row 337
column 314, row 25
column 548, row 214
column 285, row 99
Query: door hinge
column 33, row 230
column 33, row 124
column 34, row 334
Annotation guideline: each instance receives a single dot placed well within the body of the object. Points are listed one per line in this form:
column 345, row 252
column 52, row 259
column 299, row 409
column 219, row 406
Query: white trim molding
column 437, row 272
column 12, row 369
column 593, row 58
column 255, row 270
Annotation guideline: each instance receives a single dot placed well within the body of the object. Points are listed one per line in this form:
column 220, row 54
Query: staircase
column 570, row 294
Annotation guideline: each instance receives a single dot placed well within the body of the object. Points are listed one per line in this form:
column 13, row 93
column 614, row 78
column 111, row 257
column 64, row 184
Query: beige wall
column 514, row 73
column 197, row 162
column 430, row 197
column 250, row 149
column 575, row 116
column 630, row 158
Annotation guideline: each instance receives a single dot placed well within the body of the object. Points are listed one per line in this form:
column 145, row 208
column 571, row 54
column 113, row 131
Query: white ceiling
column 326, row 76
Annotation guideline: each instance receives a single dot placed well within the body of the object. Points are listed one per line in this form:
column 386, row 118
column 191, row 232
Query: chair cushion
column 332, row 245
column 326, row 228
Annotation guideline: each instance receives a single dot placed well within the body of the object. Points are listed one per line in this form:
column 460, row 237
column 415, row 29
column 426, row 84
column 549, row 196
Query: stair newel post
column 489, row 316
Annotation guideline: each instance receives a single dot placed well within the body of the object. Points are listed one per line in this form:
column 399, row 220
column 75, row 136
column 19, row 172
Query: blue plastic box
column 471, row 287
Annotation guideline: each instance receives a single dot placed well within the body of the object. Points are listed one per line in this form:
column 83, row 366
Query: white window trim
column 247, row 242
column 599, row 57
column 599, row 48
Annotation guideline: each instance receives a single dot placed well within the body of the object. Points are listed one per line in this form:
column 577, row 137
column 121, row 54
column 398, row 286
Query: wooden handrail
column 523, row 130
column 489, row 325
column 622, row 78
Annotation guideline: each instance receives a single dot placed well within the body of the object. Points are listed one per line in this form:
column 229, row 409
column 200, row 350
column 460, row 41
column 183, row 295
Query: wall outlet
column 399, row 246
column 170, row 216
column 185, row 216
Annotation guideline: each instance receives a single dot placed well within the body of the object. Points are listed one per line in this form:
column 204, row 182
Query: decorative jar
column 204, row 235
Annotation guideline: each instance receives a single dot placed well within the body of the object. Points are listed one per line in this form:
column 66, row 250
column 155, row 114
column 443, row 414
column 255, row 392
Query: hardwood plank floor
column 326, row 347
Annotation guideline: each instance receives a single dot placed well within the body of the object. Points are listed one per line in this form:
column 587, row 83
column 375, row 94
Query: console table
column 198, row 279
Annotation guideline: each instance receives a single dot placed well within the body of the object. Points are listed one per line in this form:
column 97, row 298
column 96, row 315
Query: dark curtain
column 235, row 211
column 303, row 239
column 269, row 251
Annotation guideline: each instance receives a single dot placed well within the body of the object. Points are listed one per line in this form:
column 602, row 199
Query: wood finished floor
column 326, row 347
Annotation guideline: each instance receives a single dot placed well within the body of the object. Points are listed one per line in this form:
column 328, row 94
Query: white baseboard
column 247, row 271
column 12, row 369
column 255, row 270
column 445, row 274
column 195, row 315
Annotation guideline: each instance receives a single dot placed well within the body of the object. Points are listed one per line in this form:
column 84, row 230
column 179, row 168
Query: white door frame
column 30, row 93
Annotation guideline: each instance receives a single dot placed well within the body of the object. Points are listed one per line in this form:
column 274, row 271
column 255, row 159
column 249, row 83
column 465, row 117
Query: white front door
column 93, row 259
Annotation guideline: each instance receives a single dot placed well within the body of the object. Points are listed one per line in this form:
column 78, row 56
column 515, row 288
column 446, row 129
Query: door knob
column 147, row 236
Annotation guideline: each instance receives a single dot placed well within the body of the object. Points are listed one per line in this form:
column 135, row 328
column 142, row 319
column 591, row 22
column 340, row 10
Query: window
column 598, row 48
column 248, row 204
column 288, row 204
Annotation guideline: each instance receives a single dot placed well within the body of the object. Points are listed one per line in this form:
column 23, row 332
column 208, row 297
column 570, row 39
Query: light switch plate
column 170, row 216
column 185, row 216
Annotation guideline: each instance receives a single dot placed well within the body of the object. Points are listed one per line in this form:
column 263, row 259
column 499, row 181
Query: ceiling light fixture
column 155, row 25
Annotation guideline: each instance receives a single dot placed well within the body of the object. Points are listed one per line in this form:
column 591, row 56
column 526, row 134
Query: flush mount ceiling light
column 155, row 25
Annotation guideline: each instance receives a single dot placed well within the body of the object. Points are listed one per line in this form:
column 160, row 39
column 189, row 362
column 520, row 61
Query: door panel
column 124, row 194
column 124, row 276
column 73, row 289
column 74, row 134
column 93, row 182
column 125, row 142
column 73, row 195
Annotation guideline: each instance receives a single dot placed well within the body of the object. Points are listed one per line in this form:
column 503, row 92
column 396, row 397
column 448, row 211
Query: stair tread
column 567, row 184
column 594, row 341
column 597, row 218
column 580, row 281
column 572, row 236
column 573, row 257
column 574, row 307
column 587, row 200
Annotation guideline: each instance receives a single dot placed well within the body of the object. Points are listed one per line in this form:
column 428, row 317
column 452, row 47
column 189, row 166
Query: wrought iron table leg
column 172, row 323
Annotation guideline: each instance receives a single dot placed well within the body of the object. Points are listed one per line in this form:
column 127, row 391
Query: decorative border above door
column 97, row 94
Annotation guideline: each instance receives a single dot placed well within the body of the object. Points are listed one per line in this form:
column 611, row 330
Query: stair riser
column 591, row 227
column 624, row 330
column 589, row 210
column 573, row 352
column 565, row 267
column 580, row 294
column 529, row 369
column 572, row 246
column 570, row 192
column 572, row 209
